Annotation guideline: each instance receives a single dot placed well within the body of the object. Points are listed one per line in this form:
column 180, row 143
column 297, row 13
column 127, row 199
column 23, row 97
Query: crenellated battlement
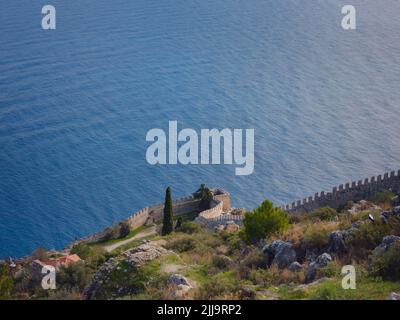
column 351, row 191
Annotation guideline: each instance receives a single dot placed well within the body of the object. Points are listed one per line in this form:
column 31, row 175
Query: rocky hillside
column 304, row 260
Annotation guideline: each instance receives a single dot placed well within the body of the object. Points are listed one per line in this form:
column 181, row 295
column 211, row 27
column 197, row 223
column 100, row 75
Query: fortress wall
column 180, row 206
column 226, row 199
column 215, row 210
column 354, row 191
column 138, row 219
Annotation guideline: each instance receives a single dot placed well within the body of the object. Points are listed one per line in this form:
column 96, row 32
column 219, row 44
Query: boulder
column 279, row 253
column 295, row 267
column 246, row 293
column 177, row 279
column 231, row 227
column 322, row 261
column 181, row 284
column 393, row 296
column 387, row 242
column 336, row 243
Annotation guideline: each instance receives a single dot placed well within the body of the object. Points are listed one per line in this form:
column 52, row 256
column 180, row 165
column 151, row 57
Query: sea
column 77, row 102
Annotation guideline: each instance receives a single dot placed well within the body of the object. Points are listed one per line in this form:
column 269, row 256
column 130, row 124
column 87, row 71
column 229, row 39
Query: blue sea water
column 76, row 104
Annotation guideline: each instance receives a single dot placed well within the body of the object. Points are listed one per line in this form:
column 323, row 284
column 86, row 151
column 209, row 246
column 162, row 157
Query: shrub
column 218, row 286
column 316, row 235
column 263, row 221
column 182, row 244
column 324, row 214
column 382, row 197
column 93, row 255
column 386, row 264
column 221, row 262
column 6, row 283
column 111, row 233
column 190, row 227
column 73, row 276
column 40, row 254
column 369, row 235
column 255, row 260
column 124, row 229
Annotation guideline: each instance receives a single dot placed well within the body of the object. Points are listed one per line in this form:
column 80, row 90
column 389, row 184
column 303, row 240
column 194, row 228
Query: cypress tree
column 168, row 221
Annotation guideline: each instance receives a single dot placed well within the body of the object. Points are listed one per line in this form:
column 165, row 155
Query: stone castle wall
column 354, row 191
column 220, row 203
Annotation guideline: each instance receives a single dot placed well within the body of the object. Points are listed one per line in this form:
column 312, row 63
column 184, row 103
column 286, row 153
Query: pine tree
column 168, row 221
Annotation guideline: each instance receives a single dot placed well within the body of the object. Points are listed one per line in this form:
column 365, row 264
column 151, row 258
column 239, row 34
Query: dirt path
column 145, row 233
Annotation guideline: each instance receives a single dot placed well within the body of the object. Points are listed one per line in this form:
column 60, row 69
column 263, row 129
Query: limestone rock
column 143, row 253
column 279, row 253
column 177, row 279
column 322, row 261
column 231, row 227
column 336, row 243
column 393, row 296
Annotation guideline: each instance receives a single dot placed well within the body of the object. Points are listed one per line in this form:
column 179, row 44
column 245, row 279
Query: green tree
column 205, row 194
column 168, row 220
column 6, row 283
column 263, row 221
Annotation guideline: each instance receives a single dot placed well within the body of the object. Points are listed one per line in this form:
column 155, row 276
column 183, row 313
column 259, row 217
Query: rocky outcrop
column 229, row 227
column 181, row 284
column 322, row 261
column 99, row 278
column 386, row 215
column 177, row 279
column 135, row 257
column 337, row 239
column 143, row 253
column 393, row 296
column 279, row 253
column 386, row 243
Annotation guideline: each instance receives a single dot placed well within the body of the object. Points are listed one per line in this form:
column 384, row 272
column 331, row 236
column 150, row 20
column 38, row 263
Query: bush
column 263, row 222
column 384, row 197
column 111, row 233
column 93, row 255
column 73, row 276
column 324, row 214
column 221, row 262
column 6, row 283
column 124, row 229
column 190, row 227
column 218, row 286
column 182, row 244
column 316, row 235
column 368, row 236
column 386, row 264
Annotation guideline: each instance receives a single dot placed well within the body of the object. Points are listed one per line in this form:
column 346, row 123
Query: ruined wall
column 354, row 191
